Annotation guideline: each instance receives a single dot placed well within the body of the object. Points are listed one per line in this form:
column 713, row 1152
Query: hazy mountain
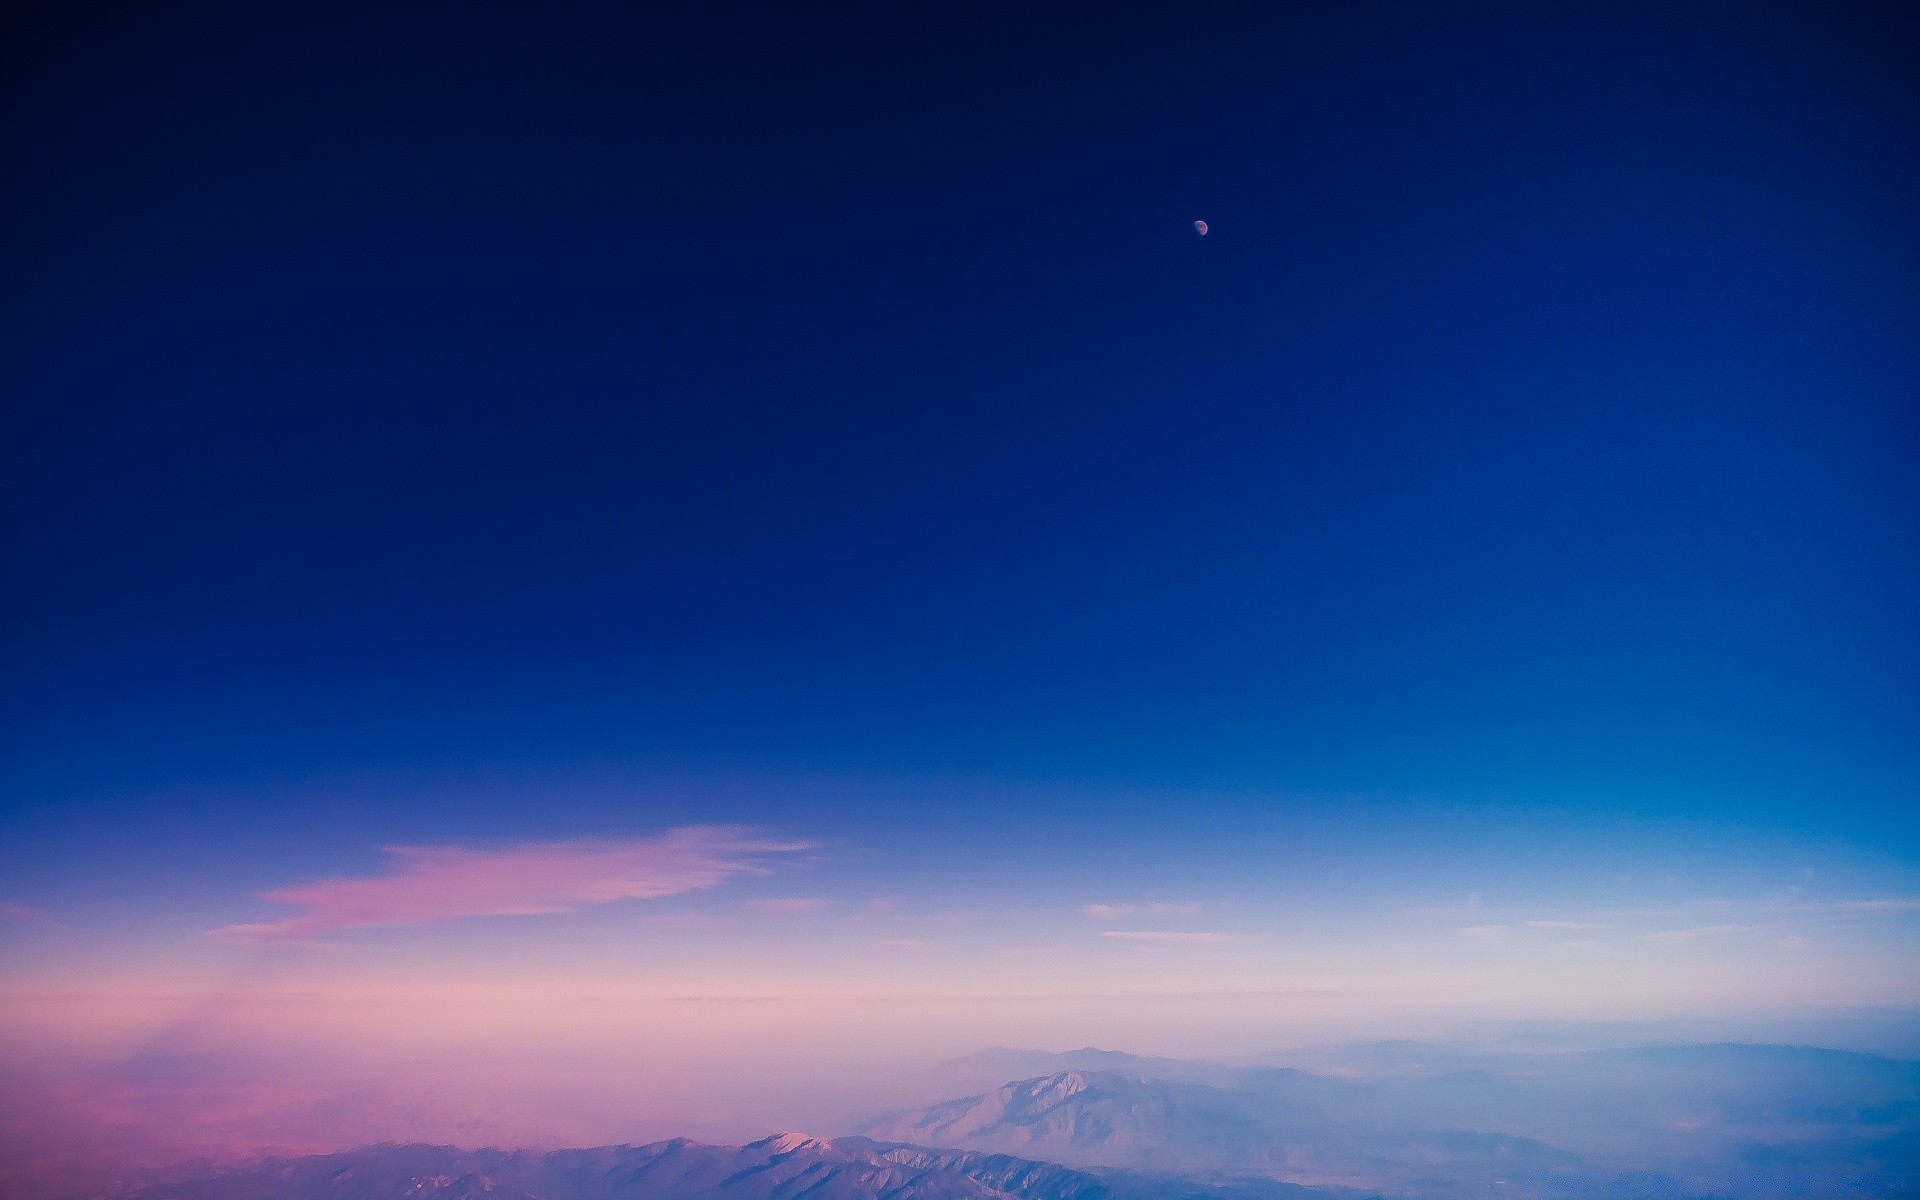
column 1107, row 1119
column 1392, row 1060
column 990, row 1068
column 1400, row 1119
column 783, row 1167
column 1407, row 1116
column 1704, row 1107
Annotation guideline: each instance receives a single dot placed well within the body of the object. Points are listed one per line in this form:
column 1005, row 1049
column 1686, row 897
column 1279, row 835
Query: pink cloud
column 1167, row 935
column 17, row 912
column 787, row 906
column 440, row 883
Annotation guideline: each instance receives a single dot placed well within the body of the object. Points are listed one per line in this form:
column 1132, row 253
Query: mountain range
column 1410, row 1121
column 786, row 1166
column 1416, row 1118
column 1102, row 1118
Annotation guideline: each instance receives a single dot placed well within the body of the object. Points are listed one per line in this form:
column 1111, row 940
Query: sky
column 725, row 544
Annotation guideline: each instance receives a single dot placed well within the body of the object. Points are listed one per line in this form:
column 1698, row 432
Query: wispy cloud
column 1702, row 918
column 1166, row 935
column 424, row 884
column 1791, row 904
column 12, row 911
column 1116, row 912
column 786, row 906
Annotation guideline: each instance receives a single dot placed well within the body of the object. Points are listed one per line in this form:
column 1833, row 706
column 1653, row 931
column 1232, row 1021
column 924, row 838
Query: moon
column 1200, row 227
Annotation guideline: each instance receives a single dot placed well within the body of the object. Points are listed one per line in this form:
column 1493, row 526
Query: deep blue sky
column 516, row 393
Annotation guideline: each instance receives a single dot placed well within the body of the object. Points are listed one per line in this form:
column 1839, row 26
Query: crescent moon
column 1200, row 227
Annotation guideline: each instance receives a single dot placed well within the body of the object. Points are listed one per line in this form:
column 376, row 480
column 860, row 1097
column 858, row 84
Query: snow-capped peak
column 787, row 1143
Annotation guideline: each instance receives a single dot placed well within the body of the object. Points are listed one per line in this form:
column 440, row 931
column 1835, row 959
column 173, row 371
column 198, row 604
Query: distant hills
column 1404, row 1120
column 783, row 1167
column 1102, row 1118
column 1412, row 1117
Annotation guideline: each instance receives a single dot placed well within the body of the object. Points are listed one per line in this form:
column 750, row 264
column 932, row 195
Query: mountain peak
column 787, row 1143
column 1061, row 1085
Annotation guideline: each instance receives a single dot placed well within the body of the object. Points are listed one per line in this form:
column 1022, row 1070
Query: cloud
column 1114, row 912
column 1165, row 935
column 1563, row 925
column 786, row 906
column 11, row 911
column 1900, row 905
column 1485, row 933
column 424, row 884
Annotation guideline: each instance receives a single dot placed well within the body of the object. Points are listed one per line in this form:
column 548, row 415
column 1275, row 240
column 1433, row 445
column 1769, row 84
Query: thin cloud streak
column 1166, row 935
column 425, row 884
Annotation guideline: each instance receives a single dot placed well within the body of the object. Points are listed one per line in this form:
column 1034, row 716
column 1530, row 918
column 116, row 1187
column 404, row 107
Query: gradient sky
column 735, row 511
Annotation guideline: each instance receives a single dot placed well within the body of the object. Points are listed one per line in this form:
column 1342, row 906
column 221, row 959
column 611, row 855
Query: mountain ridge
column 1111, row 1119
column 1409, row 1115
column 784, row 1166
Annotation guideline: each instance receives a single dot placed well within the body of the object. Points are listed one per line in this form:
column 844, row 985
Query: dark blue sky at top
column 436, row 390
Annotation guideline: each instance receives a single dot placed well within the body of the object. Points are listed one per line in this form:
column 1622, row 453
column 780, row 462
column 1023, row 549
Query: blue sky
column 1482, row 566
